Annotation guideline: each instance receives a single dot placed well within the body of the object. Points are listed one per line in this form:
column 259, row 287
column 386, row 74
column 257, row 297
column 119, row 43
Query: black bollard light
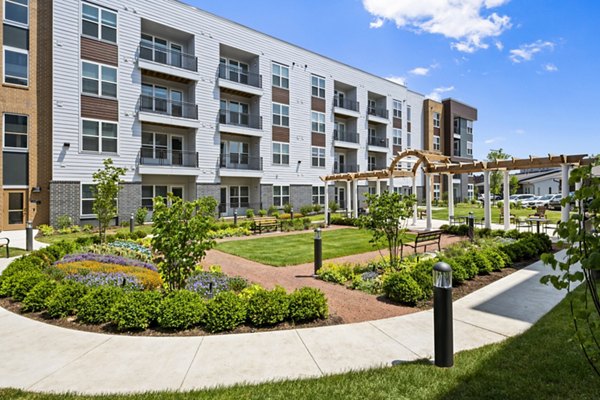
column 471, row 222
column 235, row 217
column 28, row 236
column 318, row 250
column 291, row 213
column 328, row 218
column 442, row 315
column 131, row 223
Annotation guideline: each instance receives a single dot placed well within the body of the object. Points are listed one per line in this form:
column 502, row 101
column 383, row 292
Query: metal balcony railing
column 376, row 166
column 169, row 158
column 346, row 104
column 378, row 141
column 241, row 162
column 240, row 119
column 236, row 74
column 160, row 105
column 163, row 55
column 378, row 112
column 345, row 136
column 344, row 168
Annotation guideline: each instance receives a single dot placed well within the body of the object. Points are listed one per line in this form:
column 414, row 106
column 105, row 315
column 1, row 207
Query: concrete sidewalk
column 40, row 357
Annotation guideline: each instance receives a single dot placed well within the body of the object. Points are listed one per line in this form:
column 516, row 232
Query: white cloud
column 378, row 23
column 400, row 80
column 421, row 71
column 520, row 131
column 499, row 45
column 494, row 140
column 437, row 93
column 550, row 67
column 525, row 52
column 468, row 22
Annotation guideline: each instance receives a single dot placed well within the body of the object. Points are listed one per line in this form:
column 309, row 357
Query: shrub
column 249, row 213
column 64, row 299
column 369, row 282
column 307, row 304
column 225, row 312
column 287, row 208
column 307, row 209
column 317, row 208
column 95, row 306
column 341, row 220
column 468, row 265
column 484, row 266
column 459, row 230
column 272, row 210
column 36, row 298
column 237, row 283
column 64, row 222
column 181, row 309
column 402, row 288
column 262, row 212
column 207, row 284
column 336, row 273
column 46, row 230
column 459, row 273
column 18, row 285
column 140, row 215
column 135, row 310
column 495, row 257
column 333, row 206
column 87, row 228
column 422, row 273
column 268, row 307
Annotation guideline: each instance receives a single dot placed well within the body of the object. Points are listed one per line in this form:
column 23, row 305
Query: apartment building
column 25, row 104
column 196, row 105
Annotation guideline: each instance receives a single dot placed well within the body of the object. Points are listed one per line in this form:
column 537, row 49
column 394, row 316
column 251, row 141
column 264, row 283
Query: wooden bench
column 5, row 242
column 264, row 223
column 424, row 239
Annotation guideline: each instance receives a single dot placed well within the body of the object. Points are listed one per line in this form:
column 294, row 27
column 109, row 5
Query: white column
column 414, row 192
column 487, row 204
column 355, row 196
column 348, row 198
column 377, row 187
column 391, row 184
column 326, row 201
column 566, row 209
column 450, row 196
column 506, row 201
column 428, row 190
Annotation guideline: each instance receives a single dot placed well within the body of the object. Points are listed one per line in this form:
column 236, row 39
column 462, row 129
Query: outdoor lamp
column 318, row 234
column 442, row 276
column 318, row 250
column 442, row 315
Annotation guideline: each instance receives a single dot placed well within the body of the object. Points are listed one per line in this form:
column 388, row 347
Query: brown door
column 15, row 214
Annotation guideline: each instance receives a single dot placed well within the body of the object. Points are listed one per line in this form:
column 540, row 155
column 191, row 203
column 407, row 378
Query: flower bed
column 112, row 273
column 105, row 259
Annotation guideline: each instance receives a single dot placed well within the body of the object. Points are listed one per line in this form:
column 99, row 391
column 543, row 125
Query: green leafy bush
column 307, row 304
column 287, row 208
column 341, row 220
column 18, row 285
column 272, row 210
column 306, row 209
column 333, row 206
column 64, row 299
column 181, row 309
column 268, row 307
column 36, row 298
column 237, row 283
column 46, row 230
column 95, row 306
column 336, row 273
column 495, row 257
column 459, row 273
column 484, row 266
column 140, row 215
column 225, row 312
column 317, row 208
column 402, row 288
column 262, row 212
column 422, row 273
column 249, row 213
column 64, row 222
column 135, row 310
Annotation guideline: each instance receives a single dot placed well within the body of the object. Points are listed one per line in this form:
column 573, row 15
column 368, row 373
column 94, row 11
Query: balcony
column 377, row 114
column 240, row 82
column 349, row 140
column 164, row 111
column 167, row 62
column 377, row 166
column 240, row 123
column 157, row 161
column 346, row 107
column 344, row 168
column 240, row 165
column 378, row 143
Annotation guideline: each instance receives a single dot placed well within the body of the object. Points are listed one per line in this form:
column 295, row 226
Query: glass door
column 16, row 212
column 176, row 55
column 176, row 103
column 177, row 150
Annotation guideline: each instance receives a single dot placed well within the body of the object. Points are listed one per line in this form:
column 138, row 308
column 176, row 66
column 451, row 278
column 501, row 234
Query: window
column 234, row 70
column 436, row 191
column 99, row 136
column 16, row 66
column 372, row 190
column 371, row 163
column 408, row 113
column 470, row 191
column 149, row 192
column 456, row 126
column 456, row 147
column 16, row 11
column 436, row 143
column 155, row 146
column 371, row 105
column 234, row 113
column 436, row 120
column 469, row 148
column 281, row 115
column 238, row 196
column 469, row 127
column 15, row 131
column 408, row 140
column 318, row 195
column 397, row 109
column 161, row 51
column 318, row 156
column 98, row 23
column 281, row 76
column 88, row 197
column 318, row 86
column 281, row 153
column 397, row 134
column 99, row 80
column 318, row 121
column 281, row 195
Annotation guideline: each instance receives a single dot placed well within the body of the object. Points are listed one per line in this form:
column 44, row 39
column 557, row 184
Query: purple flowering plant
column 105, row 259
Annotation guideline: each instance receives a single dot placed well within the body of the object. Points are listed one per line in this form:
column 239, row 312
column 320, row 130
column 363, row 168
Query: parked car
column 543, row 201
column 530, row 202
column 554, row 204
column 520, row 198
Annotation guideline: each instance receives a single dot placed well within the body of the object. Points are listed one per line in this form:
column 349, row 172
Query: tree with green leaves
column 496, row 176
column 514, row 184
column 388, row 218
column 106, row 190
column 181, row 236
column 582, row 262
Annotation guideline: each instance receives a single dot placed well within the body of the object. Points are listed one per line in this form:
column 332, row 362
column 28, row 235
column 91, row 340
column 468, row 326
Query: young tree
column 388, row 218
column 106, row 189
column 496, row 176
column 180, row 236
column 514, row 184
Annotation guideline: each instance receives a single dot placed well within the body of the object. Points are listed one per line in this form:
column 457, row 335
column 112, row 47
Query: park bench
column 540, row 212
column 424, row 239
column 5, row 242
column 258, row 225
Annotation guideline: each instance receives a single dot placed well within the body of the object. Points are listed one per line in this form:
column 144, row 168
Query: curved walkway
column 40, row 357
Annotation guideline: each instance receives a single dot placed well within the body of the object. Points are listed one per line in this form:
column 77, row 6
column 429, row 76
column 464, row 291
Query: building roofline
column 458, row 101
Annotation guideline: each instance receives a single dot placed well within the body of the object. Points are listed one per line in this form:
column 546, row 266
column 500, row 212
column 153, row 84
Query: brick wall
column 65, row 199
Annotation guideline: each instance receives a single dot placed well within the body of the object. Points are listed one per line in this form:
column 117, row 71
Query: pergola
column 433, row 162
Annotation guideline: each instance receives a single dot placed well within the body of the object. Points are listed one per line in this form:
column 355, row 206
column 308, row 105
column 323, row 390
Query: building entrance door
column 15, row 214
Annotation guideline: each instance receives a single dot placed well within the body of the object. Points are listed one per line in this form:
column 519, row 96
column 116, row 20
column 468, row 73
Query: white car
column 531, row 202
column 520, row 198
column 543, row 201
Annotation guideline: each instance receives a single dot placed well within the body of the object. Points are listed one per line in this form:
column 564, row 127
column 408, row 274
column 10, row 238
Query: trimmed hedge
column 225, row 312
column 401, row 287
column 181, row 309
column 307, row 304
column 135, row 310
column 64, row 299
column 268, row 307
column 95, row 306
column 36, row 298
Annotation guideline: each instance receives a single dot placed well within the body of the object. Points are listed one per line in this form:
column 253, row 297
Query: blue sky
column 531, row 67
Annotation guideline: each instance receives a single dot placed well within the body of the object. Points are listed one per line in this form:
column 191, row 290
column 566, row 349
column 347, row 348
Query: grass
column 462, row 210
column 542, row 363
column 297, row 249
column 14, row 252
column 72, row 236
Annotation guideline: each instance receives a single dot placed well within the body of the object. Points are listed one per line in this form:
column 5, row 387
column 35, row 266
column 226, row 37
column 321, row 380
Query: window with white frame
column 408, row 113
column 150, row 192
column 469, row 127
column 281, row 115
column 408, row 140
column 281, row 76
column 16, row 66
column 469, row 148
column 436, row 191
column 15, row 131
column 371, row 161
column 318, row 86
column 88, row 197
column 155, row 146
column 470, row 191
column 318, row 195
column 239, row 196
column 318, row 156
column 16, row 12
column 397, row 107
column 281, row 153
column 16, row 42
column 98, row 79
column 98, row 23
column 397, row 137
column 161, row 50
column 281, row 195
column 437, row 143
column 318, row 121
column 436, row 119
column 99, row 136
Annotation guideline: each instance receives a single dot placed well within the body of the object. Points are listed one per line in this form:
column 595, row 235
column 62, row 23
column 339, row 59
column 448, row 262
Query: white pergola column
column 566, row 209
column 391, row 184
column 348, row 198
column 415, row 206
column 355, row 196
column 378, row 187
column 487, row 204
column 326, row 202
column 506, row 201
column 450, row 197
column 428, row 195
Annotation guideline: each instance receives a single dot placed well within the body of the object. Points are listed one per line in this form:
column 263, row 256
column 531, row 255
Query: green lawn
column 462, row 210
column 13, row 252
column 542, row 363
column 298, row 249
column 72, row 236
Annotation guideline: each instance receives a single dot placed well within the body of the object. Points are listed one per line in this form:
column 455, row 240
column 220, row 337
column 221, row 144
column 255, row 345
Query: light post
column 28, row 237
column 292, row 213
column 131, row 224
column 471, row 224
column 235, row 217
column 442, row 315
column 318, row 250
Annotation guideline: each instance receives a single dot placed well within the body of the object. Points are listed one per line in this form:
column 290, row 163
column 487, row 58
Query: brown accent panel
column 101, row 52
column 318, row 139
column 397, row 123
column 408, row 127
column 281, row 134
column 281, row 95
column 317, row 104
column 397, row 149
column 460, row 110
column 99, row 108
column 436, row 131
